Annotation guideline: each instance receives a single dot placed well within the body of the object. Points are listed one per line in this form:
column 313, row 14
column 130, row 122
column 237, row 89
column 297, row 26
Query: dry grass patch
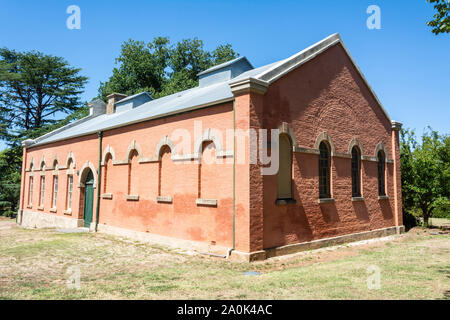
column 33, row 265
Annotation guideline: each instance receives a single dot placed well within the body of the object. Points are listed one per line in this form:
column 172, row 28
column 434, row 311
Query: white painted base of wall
column 32, row 219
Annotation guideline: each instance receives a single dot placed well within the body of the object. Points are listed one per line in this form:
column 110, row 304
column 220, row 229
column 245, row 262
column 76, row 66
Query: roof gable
column 278, row 70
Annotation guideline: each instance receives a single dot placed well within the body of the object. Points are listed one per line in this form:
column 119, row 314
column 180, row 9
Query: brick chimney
column 113, row 98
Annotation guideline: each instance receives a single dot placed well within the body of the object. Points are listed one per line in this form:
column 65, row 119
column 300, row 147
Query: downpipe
column 99, row 178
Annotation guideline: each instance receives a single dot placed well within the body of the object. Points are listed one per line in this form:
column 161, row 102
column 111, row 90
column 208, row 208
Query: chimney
column 113, row 98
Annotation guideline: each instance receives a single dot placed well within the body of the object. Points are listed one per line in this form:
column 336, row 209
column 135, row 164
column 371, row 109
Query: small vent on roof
column 133, row 101
column 224, row 71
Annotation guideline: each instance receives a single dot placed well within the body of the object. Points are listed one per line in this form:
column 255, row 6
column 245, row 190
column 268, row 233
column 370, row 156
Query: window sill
column 67, row 212
column 107, row 196
column 206, row 202
column 383, row 198
column 326, row 200
column 354, row 199
column 132, row 197
column 285, row 202
column 53, row 210
column 164, row 199
column 41, row 208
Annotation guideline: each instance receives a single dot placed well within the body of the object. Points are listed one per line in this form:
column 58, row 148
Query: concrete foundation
column 32, row 219
column 327, row 242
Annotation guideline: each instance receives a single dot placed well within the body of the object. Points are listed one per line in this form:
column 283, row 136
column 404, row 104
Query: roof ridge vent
column 224, row 71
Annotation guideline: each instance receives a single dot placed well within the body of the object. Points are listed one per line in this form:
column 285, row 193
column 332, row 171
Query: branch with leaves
column 34, row 90
column 441, row 22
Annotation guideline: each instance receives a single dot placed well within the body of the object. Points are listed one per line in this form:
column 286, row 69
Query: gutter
column 99, row 177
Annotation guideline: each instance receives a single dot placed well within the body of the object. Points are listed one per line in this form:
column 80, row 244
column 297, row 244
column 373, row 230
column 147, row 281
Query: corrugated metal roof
column 194, row 98
column 176, row 103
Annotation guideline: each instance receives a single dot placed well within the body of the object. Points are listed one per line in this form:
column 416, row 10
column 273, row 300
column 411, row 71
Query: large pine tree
column 35, row 89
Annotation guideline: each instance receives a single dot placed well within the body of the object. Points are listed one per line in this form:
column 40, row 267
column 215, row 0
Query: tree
column 142, row 67
column 34, row 89
column 10, row 172
column 441, row 22
column 160, row 68
column 11, row 162
column 425, row 172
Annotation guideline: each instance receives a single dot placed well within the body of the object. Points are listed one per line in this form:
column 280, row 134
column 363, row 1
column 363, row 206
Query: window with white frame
column 55, row 191
column 30, row 192
column 69, row 192
column 42, row 192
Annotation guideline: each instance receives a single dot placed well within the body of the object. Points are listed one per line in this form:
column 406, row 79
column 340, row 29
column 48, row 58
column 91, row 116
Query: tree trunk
column 425, row 218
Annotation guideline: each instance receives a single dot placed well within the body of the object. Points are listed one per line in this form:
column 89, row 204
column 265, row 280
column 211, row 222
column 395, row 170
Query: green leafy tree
column 425, row 172
column 11, row 163
column 441, row 22
column 10, row 172
column 142, row 67
column 161, row 68
column 34, row 90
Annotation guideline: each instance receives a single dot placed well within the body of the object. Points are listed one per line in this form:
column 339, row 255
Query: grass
column 439, row 222
column 34, row 264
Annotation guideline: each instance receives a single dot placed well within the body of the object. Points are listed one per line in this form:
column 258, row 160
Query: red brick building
column 134, row 166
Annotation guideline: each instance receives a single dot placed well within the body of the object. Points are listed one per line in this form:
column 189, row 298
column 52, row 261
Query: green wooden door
column 88, row 199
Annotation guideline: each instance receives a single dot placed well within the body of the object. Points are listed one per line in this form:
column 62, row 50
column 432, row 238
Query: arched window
column 30, row 191
column 55, row 185
column 356, row 172
column 324, row 170
column 208, row 171
column 42, row 191
column 107, row 172
column 133, row 173
column 167, row 174
column 30, row 185
column 69, row 189
column 284, row 176
column 381, row 173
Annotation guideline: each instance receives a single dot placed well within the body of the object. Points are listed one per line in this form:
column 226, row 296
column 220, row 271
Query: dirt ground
column 47, row 264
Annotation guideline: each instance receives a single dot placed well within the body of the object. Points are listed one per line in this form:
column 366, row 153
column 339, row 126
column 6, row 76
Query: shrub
column 9, row 214
column 409, row 220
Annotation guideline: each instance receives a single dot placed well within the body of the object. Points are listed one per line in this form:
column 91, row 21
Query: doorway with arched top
column 88, row 199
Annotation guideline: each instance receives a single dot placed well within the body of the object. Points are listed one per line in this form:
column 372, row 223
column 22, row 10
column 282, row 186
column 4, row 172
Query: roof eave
column 217, row 102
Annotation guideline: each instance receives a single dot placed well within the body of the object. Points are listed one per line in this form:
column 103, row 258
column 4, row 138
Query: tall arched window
column 324, row 170
column 133, row 173
column 30, row 191
column 167, row 175
column 381, row 173
column 55, row 184
column 42, row 185
column 208, row 171
column 107, row 172
column 69, row 189
column 284, row 177
column 30, row 186
column 356, row 172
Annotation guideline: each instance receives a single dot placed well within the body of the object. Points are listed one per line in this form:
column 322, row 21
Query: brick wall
column 327, row 94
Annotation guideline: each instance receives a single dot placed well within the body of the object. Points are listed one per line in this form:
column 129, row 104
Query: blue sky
column 406, row 65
